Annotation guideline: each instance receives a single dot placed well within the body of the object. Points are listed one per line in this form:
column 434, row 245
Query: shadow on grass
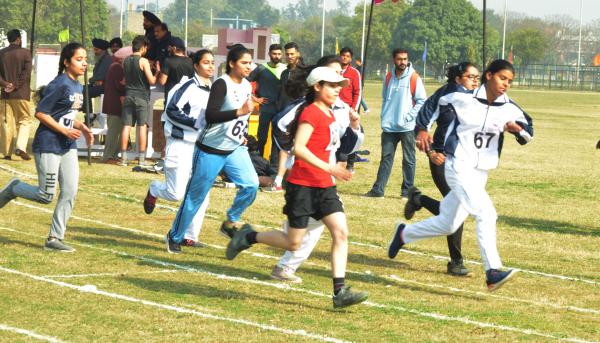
column 116, row 233
column 110, row 242
column 7, row 241
column 549, row 226
column 194, row 289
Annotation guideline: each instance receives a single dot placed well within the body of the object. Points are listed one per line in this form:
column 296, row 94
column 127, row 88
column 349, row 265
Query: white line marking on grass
column 30, row 334
column 287, row 287
column 368, row 245
column 94, row 290
column 73, row 276
column 489, row 295
column 261, row 255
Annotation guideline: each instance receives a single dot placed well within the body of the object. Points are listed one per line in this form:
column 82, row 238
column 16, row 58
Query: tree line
column 451, row 28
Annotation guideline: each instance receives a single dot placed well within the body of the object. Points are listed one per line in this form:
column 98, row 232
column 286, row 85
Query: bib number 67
column 479, row 138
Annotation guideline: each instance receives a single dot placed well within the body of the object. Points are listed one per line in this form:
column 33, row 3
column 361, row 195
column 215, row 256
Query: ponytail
column 293, row 125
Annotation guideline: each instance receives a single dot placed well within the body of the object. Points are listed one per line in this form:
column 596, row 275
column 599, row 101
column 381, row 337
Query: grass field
column 121, row 285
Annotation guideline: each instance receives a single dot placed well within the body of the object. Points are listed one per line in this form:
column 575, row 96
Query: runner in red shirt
column 311, row 190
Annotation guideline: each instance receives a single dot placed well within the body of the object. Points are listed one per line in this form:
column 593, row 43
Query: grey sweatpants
column 53, row 168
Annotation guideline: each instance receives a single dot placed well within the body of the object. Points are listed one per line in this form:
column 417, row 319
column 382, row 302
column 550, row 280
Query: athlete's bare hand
column 437, row 158
column 87, row 133
column 246, row 108
column 424, row 141
column 354, row 119
column 72, row 133
column 513, row 127
column 340, row 173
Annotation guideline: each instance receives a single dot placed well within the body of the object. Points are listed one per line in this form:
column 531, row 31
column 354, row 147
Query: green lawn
column 547, row 195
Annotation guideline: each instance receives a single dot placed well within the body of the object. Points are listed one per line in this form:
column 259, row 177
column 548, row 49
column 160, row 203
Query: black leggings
column 433, row 206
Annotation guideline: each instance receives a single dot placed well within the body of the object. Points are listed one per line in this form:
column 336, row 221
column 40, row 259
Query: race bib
column 238, row 130
column 68, row 119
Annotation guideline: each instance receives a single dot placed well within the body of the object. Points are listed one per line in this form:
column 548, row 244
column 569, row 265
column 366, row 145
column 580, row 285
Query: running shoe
column 192, row 243
column 172, row 246
column 457, row 268
column 285, row 274
column 495, row 278
column 149, row 203
column 228, row 231
column 347, row 297
column 272, row 188
column 55, row 244
column 413, row 203
column 239, row 242
column 396, row 243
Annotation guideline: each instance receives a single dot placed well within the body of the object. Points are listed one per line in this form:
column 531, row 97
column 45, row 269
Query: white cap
column 325, row 74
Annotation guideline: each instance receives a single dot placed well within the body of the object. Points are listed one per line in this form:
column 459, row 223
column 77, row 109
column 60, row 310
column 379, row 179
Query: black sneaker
column 372, row 194
column 396, row 243
column 172, row 246
column 149, row 203
column 412, row 205
column 496, row 278
column 457, row 268
column 346, row 297
column 228, row 231
column 239, row 242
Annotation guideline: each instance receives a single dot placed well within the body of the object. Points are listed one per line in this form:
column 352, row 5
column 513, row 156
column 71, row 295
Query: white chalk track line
column 30, row 334
column 373, row 246
column 74, row 276
column 93, row 290
column 287, row 287
column 261, row 255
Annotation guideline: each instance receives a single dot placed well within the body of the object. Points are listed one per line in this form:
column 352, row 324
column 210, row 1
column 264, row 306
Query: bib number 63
column 482, row 138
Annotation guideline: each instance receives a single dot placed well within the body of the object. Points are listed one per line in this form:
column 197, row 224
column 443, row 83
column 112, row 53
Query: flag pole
column 85, row 84
column 323, row 30
column 362, row 41
column 504, row 30
column 32, row 38
column 364, row 65
column 425, row 62
column 483, row 53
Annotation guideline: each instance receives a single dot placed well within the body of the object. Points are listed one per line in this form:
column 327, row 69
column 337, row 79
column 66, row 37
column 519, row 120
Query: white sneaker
column 285, row 274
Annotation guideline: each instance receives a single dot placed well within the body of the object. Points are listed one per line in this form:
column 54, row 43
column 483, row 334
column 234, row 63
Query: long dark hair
column 310, row 98
column 496, row 66
column 234, row 55
column 457, row 70
column 66, row 54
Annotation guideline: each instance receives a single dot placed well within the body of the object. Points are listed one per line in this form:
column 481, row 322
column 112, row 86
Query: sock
column 124, row 155
column 278, row 180
column 251, row 237
column 142, row 157
column 338, row 284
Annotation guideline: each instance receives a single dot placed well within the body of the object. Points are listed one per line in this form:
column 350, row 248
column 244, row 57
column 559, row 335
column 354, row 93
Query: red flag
column 377, row 2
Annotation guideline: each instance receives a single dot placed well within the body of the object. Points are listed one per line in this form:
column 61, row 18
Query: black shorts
column 302, row 202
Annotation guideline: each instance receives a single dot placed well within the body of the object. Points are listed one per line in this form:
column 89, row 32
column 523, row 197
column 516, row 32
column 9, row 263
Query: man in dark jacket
column 103, row 62
column 15, row 110
column 150, row 21
column 267, row 77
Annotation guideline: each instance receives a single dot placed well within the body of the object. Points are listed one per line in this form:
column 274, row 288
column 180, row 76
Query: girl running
column 351, row 138
column 311, row 190
column 54, row 145
column 221, row 146
column 463, row 77
column 472, row 147
column 184, row 118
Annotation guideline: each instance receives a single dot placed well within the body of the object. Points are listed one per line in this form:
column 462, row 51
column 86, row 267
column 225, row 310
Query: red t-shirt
column 322, row 143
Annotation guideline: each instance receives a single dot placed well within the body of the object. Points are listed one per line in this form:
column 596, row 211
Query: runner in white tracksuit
column 183, row 119
column 291, row 260
column 473, row 144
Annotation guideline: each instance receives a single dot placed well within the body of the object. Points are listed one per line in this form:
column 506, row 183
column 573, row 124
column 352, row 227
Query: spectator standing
column 352, row 94
column 115, row 44
column 138, row 78
column 15, row 108
column 112, row 105
column 268, row 79
column 150, row 21
column 403, row 95
column 102, row 63
column 175, row 67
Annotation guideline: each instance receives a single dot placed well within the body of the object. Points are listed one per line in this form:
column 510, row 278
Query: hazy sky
column 537, row 8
